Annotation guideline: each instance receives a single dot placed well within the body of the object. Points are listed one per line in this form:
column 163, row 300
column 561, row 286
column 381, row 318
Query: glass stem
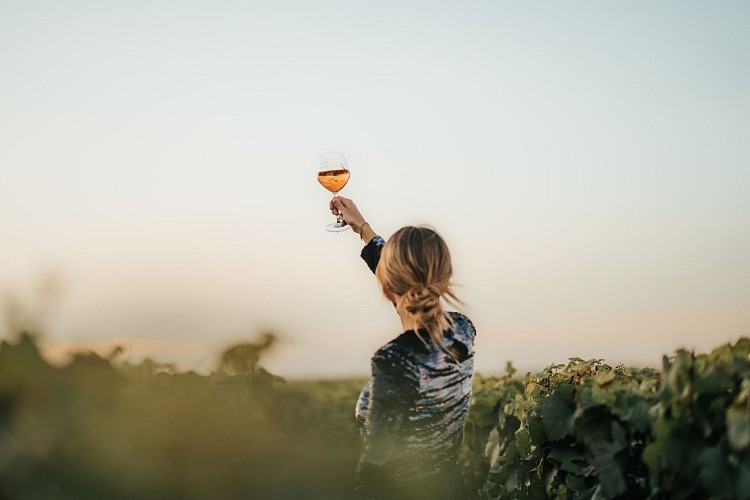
column 338, row 217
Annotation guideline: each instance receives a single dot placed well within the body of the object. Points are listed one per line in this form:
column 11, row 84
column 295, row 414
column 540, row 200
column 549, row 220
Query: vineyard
column 107, row 428
column 587, row 430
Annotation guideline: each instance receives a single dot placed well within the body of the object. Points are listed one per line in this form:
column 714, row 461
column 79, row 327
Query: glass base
column 337, row 228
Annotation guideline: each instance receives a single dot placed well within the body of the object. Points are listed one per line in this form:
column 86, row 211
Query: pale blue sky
column 586, row 161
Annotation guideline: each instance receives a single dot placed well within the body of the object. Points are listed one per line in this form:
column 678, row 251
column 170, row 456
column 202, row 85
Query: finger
column 344, row 202
column 340, row 204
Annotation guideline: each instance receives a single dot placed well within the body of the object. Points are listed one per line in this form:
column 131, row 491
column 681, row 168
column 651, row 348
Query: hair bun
column 420, row 299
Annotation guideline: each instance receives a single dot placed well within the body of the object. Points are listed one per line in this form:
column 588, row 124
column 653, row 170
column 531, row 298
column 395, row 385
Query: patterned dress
column 411, row 413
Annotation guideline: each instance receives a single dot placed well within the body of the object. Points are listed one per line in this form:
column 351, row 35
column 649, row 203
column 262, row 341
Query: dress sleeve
column 392, row 395
column 371, row 252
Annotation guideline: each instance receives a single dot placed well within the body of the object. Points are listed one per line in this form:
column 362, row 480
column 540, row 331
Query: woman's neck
column 407, row 322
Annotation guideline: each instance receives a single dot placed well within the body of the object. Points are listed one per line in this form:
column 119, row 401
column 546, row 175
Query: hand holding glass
column 333, row 174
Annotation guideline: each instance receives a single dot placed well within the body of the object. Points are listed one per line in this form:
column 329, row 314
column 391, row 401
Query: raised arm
column 352, row 216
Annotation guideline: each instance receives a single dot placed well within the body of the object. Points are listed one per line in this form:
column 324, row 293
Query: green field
column 107, row 428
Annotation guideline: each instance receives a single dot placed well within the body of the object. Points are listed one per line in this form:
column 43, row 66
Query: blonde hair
column 415, row 266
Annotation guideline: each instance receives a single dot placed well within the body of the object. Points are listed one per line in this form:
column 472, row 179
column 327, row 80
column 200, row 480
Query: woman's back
column 419, row 399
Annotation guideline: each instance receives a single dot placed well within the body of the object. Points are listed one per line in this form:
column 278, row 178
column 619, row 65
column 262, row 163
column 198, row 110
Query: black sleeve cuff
column 371, row 252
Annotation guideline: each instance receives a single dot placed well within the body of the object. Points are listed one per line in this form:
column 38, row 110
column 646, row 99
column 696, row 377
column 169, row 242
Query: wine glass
column 333, row 174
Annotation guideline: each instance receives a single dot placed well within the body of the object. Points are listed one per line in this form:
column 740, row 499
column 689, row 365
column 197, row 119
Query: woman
column 412, row 412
